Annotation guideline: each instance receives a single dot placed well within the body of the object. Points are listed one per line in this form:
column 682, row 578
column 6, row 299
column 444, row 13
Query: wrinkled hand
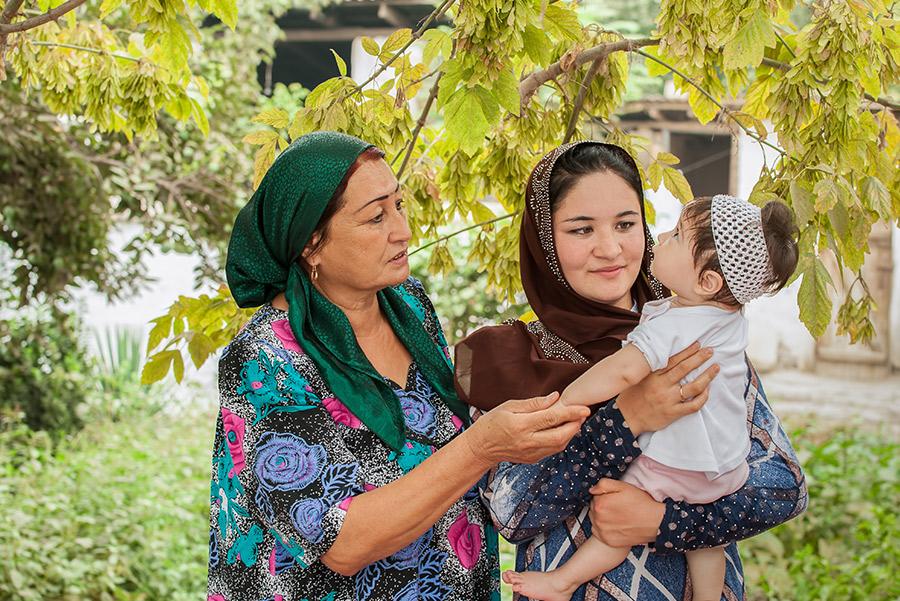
column 657, row 401
column 623, row 515
column 524, row 431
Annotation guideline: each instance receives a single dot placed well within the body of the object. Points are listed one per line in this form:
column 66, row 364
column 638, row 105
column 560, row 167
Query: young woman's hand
column 524, row 431
column 660, row 399
column 623, row 515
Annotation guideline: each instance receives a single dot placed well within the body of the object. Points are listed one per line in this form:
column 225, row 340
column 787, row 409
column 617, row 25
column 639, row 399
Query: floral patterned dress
column 289, row 458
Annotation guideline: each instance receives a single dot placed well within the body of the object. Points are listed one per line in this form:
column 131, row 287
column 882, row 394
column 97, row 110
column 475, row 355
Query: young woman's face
column 600, row 238
column 365, row 245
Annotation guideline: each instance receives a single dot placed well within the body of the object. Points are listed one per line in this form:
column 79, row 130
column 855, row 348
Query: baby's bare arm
column 607, row 378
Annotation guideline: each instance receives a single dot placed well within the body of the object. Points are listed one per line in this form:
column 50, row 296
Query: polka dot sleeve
column 527, row 499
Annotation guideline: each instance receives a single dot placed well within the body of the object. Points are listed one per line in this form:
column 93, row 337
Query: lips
column 399, row 256
column 609, row 270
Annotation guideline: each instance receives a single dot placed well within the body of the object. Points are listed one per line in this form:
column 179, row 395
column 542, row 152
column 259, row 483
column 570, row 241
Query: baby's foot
column 539, row 586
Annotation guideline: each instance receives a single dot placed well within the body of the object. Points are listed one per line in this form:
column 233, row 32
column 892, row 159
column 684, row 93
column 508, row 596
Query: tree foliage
column 85, row 151
column 511, row 79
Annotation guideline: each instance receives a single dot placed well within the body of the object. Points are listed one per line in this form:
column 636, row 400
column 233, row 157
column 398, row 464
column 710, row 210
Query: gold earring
column 315, row 273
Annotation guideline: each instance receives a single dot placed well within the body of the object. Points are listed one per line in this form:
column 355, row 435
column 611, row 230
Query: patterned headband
column 740, row 246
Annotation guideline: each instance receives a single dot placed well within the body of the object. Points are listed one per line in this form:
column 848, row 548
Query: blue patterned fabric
column 544, row 507
column 289, row 457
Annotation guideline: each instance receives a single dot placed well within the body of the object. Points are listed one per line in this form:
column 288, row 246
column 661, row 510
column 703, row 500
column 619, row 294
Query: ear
column 709, row 283
column 308, row 255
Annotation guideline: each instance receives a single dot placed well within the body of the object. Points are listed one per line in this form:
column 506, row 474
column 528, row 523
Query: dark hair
column 778, row 228
column 337, row 199
column 585, row 159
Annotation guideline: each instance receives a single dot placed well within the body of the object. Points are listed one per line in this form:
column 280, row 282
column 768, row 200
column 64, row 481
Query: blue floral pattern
column 288, row 462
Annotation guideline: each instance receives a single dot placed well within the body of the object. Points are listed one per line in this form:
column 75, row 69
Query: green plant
column 118, row 512
column 45, row 371
column 847, row 544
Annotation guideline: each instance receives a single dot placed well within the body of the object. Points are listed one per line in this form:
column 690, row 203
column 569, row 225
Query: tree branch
column 465, row 229
column 885, row 102
column 530, row 84
column 721, row 106
column 31, row 23
column 579, row 100
column 436, row 14
column 420, row 124
column 10, row 10
column 86, row 49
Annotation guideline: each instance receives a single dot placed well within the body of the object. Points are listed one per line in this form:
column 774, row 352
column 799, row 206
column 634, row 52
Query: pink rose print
column 465, row 538
column 234, row 438
column 340, row 414
column 346, row 502
column 215, row 598
column 457, row 423
column 282, row 329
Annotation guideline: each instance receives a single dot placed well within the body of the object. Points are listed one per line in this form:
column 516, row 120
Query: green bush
column 847, row 544
column 118, row 511
column 45, row 372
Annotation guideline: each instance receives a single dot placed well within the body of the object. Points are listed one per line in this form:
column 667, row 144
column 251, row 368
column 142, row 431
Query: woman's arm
column 774, row 493
column 525, row 500
column 286, row 463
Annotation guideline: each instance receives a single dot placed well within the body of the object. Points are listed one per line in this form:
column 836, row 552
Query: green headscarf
column 268, row 237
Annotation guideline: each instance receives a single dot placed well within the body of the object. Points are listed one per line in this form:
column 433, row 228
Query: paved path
column 871, row 403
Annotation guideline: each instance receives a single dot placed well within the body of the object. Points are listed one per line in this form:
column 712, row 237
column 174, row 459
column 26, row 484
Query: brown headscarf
column 497, row 363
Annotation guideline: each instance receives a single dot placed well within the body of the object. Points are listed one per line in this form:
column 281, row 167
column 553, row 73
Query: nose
column 400, row 231
column 663, row 236
column 607, row 246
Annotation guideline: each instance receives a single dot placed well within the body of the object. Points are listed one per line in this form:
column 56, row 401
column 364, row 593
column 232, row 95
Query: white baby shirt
column 715, row 439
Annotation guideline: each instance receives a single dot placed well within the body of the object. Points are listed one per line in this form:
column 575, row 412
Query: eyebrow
column 380, row 198
column 586, row 218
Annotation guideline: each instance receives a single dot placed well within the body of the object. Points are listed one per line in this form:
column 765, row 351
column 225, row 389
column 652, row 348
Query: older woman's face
column 365, row 245
column 600, row 238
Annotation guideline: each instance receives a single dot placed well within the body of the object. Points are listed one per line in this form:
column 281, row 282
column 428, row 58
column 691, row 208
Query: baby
column 723, row 253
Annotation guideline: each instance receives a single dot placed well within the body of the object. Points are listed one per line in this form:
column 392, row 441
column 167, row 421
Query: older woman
column 343, row 461
column 585, row 255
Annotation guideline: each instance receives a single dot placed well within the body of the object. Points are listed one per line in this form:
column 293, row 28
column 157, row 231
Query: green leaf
column 109, row 6
column 200, row 348
column 802, row 201
column 156, row 368
column 750, row 42
column 537, row 45
column 813, row 298
column 562, row 23
column 677, row 184
column 668, row 158
column 395, row 42
column 274, row 117
column 370, row 46
column 260, row 137
column 465, row 117
column 654, row 68
column 160, row 330
column 655, row 174
column 226, row 10
column 876, row 196
column 704, row 108
column 199, row 116
column 178, row 366
column 341, row 65
column 437, row 41
column 506, row 91
column 827, row 194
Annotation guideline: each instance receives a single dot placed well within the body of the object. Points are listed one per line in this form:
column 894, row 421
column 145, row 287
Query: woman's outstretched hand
column 524, row 431
column 659, row 399
column 623, row 515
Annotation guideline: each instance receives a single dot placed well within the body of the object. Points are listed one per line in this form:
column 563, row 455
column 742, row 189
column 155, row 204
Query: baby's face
column 673, row 260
